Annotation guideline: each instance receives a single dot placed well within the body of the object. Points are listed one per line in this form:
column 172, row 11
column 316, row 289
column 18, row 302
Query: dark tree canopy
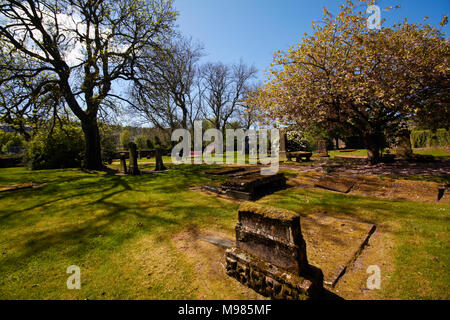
column 79, row 49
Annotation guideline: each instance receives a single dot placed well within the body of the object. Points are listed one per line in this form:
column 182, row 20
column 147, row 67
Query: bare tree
column 224, row 88
column 166, row 94
column 81, row 47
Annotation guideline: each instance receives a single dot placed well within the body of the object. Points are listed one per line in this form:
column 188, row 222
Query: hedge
column 426, row 138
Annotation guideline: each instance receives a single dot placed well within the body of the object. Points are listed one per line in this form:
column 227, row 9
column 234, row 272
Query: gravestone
column 270, row 254
column 123, row 163
column 283, row 143
column 404, row 149
column 253, row 186
column 133, row 168
column 322, row 148
column 159, row 161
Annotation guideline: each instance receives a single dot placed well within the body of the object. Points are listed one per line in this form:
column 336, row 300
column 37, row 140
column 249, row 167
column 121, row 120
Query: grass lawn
column 120, row 231
column 436, row 152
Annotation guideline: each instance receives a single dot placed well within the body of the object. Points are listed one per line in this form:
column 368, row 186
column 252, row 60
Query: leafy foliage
column 9, row 140
column 428, row 138
column 125, row 139
column 366, row 81
column 60, row 148
column 141, row 142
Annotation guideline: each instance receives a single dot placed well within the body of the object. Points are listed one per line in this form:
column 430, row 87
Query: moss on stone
column 268, row 212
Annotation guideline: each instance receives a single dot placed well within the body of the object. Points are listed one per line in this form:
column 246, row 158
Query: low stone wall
column 270, row 254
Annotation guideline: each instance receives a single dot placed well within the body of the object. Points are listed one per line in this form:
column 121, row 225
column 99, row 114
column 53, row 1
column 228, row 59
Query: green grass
column 436, row 152
column 119, row 231
column 357, row 153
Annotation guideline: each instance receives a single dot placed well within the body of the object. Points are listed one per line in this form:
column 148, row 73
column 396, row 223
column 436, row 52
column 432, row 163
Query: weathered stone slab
column 270, row 254
column 253, row 186
column 272, row 235
column 396, row 189
column 220, row 242
column 334, row 183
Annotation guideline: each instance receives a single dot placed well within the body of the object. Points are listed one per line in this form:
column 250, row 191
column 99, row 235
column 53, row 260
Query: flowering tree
column 366, row 81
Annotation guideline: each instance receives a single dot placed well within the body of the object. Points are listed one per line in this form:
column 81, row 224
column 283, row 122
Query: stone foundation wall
column 271, row 281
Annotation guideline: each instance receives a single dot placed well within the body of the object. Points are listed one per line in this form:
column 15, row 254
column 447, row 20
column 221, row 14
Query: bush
column 150, row 144
column 426, row 138
column 141, row 142
column 108, row 143
column 62, row 149
column 125, row 139
column 9, row 140
column 297, row 141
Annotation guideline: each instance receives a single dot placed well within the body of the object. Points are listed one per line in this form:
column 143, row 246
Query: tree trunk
column 373, row 148
column 93, row 155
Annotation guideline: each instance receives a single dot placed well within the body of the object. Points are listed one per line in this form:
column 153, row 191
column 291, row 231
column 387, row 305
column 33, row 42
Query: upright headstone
column 159, row 162
column 133, row 169
column 404, row 149
column 323, row 150
column 283, row 143
column 270, row 254
column 123, row 163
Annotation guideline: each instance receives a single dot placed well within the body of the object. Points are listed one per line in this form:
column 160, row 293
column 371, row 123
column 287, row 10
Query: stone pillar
column 322, row 148
column 270, row 254
column 283, row 143
column 159, row 162
column 133, row 169
column 404, row 149
column 123, row 163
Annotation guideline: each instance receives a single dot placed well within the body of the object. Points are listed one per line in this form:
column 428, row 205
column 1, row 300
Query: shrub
column 150, row 144
column 63, row 148
column 296, row 141
column 426, row 138
column 125, row 139
column 108, row 143
column 8, row 140
column 141, row 142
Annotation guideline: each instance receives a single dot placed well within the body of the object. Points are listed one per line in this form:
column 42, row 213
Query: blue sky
column 254, row 29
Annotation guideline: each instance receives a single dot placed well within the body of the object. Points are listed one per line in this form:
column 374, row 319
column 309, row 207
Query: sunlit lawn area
column 119, row 231
column 436, row 152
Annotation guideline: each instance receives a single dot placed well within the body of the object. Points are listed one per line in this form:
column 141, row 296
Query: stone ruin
column 270, row 254
column 253, row 186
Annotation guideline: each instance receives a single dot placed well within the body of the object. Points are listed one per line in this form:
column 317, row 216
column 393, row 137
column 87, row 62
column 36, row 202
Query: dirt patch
column 332, row 244
column 378, row 252
column 372, row 186
column 208, row 261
